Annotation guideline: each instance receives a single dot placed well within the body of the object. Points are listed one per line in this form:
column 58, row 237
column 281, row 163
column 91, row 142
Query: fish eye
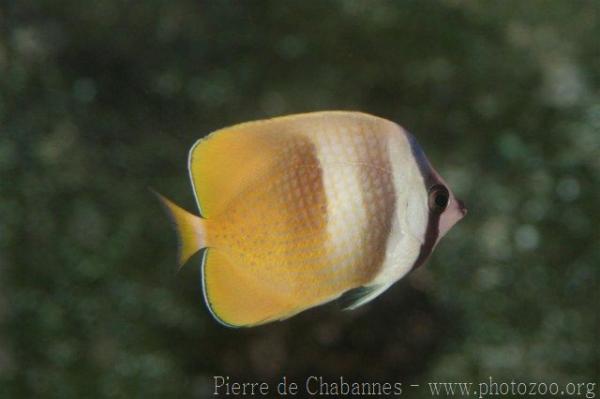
column 438, row 198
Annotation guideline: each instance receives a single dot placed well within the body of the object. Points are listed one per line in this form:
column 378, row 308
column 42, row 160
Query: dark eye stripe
column 431, row 234
column 438, row 201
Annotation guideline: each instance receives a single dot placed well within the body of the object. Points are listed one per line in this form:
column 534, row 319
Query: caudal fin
column 190, row 229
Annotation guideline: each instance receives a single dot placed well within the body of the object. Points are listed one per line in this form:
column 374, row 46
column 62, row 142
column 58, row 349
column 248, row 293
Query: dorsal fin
column 225, row 163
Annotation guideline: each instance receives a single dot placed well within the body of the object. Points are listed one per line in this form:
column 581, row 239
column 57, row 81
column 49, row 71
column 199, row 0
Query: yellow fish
column 299, row 210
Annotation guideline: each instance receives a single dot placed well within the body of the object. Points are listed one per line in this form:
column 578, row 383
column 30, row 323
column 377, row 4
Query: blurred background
column 101, row 100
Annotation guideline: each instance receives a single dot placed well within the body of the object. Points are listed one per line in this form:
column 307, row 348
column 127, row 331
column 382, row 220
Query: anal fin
column 237, row 296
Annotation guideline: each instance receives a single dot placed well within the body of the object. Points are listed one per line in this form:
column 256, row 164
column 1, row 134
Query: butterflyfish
column 299, row 210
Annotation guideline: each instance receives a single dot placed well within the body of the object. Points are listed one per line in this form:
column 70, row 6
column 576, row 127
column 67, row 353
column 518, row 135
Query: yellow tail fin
column 190, row 230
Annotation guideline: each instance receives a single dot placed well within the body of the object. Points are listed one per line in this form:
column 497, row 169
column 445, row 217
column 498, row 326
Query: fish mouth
column 461, row 207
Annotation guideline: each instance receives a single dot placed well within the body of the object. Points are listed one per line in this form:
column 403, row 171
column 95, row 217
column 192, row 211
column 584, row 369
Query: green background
column 101, row 100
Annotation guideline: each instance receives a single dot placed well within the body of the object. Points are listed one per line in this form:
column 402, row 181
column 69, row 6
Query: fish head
column 443, row 204
column 440, row 207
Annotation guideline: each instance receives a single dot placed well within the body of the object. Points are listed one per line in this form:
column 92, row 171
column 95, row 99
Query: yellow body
column 294, row 212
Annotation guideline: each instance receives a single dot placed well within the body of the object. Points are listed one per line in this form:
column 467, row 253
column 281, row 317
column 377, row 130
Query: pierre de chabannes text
column 315, row 386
